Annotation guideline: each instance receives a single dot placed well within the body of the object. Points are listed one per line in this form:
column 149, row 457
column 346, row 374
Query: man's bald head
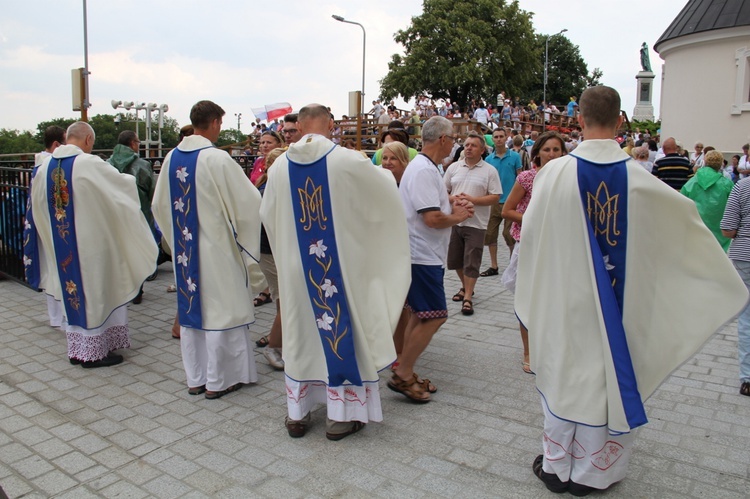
column 315, row 118
column 82, row 135
column 669, row 146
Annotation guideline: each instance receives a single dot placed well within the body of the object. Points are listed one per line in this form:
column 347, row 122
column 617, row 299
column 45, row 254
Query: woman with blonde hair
column 710, row 189
column 395, row 157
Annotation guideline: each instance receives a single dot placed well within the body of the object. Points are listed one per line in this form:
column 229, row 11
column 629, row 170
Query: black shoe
column 163, row 257
column 112, row 359
column 551, row 481
column 139, row 297
column 73, row 361
column 153, row 276
column 579, row 490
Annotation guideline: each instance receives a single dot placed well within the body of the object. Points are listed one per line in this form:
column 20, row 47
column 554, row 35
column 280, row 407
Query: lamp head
column 128, row 105
column 164, row 108
column 338, row 18
column 116, row 103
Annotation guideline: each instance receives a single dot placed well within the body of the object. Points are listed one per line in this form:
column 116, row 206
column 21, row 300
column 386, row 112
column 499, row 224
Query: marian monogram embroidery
column 602, row 210
column 311, row 200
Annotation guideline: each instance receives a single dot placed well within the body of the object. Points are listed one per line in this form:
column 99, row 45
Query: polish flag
column 278, row 110
column 260, row 113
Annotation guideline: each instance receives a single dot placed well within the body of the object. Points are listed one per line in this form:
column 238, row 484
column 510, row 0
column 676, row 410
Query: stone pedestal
column 644, row 107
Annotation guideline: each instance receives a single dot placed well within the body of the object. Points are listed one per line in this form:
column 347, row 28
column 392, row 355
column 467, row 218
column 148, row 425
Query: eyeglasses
column 452, row 137
column 291, row 131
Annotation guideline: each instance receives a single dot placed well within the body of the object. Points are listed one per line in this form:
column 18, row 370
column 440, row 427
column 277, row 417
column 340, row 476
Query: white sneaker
column 273, row 356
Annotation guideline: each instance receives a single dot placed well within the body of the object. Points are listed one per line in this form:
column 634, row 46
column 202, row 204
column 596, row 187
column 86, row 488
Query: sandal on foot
column 411, row 388
column 551, row 481
column 217, row 395
column 427, row 384
column 356, row 426
column 527, row 368
column 171, row 288
column 262, row 342
column 262, row 299
column 459, row 296
column 467, row 308
column 490, row 271
column 197, row 390
column 745, row 388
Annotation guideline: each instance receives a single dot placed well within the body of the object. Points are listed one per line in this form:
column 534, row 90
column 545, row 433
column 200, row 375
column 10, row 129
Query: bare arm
column 731, row 234
column 487, row 200
column 436, row 219
column 511, row 203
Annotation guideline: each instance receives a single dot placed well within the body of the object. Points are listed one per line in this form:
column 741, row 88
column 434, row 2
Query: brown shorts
column 493, row 227
column 465, row 250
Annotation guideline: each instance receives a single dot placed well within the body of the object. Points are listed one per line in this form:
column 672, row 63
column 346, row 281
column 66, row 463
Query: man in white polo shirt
column 429, row 216
column 473, row 180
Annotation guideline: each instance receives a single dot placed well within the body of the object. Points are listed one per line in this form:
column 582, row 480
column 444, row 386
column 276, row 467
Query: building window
column 742, row 85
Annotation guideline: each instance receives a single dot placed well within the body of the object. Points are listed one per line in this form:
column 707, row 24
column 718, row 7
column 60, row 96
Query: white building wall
column 699, row 89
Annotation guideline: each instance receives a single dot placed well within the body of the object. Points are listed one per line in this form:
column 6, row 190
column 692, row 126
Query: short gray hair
column 436, row 127
column 80, row 130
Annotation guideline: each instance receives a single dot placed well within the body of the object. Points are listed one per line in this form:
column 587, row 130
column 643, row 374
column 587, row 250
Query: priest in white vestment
column 88, row 245
column 54, row 137
column 207, row 210
column 338, row 234
column 615, row 291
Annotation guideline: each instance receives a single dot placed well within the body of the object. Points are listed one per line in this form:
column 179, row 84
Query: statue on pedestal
column 645, row 60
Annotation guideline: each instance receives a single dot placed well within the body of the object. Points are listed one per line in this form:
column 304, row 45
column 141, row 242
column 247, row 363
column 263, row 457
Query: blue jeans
column 743, row 325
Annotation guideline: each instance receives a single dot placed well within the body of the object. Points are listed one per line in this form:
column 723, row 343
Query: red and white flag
column 278, row 110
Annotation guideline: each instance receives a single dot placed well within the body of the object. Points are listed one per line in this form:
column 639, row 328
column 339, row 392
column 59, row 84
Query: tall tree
column 567, row 72
column 458, row 49
column 15, row 142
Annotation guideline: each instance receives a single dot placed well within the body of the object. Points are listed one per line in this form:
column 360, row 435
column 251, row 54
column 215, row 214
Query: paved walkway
column 133, row 431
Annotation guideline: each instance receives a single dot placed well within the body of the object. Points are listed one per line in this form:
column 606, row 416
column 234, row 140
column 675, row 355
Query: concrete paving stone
column 124, row 490
column 74, row 462
column 156, row 455
column 276, row 488
column 216, row 461
column 704, row 490
column 49, row 395
column 163, row 436
column 105, row 427
column 80, row 492
column 286, row 469
column 52, row 448
column 55, row 482
column 28, row 409
column 178, row 466
column 438, row 485
column 236, row 492
column 670, row 482
column 725, row 466
column 31, row 436
column 32, row 467
column 396, row 490
column 434, row 465
column 14, row 452
column 138, row 472
column 140, row 424
column 667, row 415
column 89, row 474
column 15, row 486
column 90, row 443
column 117, row 413
column 65, row 405
column 169, row 420
column 52, row 419
column 207, row 481
column 166, row 487
column 127, row 439
column 61, row 384
column 465, row 458
column 12, row 424
column 32, row 386
column 113, row 457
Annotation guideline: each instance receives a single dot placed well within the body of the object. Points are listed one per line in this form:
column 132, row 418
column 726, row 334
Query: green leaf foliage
column 458, row 49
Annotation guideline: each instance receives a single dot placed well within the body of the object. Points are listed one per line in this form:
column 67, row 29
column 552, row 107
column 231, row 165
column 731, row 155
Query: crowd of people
column 356, row 250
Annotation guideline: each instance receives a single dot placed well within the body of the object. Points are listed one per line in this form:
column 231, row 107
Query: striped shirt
column 673, row 169
column 737, row 217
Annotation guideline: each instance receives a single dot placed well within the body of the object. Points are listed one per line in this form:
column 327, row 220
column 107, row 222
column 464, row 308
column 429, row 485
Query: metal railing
column 15, row 178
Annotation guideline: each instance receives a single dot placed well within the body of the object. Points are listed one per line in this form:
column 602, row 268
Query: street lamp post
column 362, row 97
column 239, row 117
column 546, row 57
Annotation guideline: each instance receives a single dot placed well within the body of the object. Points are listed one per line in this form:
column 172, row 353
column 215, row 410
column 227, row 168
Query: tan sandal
column 411, row 388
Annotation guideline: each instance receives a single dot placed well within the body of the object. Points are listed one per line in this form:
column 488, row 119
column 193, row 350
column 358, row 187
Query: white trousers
column 217, row 359
column 586, row 455
column 55, row 311
column 344, row 403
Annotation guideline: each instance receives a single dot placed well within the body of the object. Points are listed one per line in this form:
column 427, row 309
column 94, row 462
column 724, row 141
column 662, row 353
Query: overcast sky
column 246, row 53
